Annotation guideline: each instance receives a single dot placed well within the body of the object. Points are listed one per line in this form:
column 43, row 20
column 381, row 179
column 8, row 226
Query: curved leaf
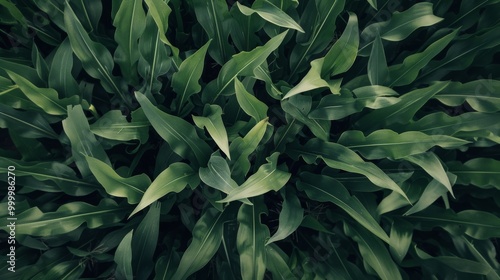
column 249, row 103
column 27, row 124
column 291, row 216
column 123, row 257
column 481, row 172
column 378, row 72
column 269, row 12
column 144, row 242
column 114, row 125
column 60, row 77
column 215, row 126
column 173, row 179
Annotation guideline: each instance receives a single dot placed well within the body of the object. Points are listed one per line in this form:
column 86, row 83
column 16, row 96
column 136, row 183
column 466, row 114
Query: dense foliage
column 267, row 139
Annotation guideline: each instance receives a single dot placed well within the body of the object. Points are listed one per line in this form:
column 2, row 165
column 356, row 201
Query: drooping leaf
column 404, row 110
column 432, row 165
column 212, row 121
column 185, row 82
column 342, row 54
column 130, row 22
column 215, row 19
column 290, row 218
column 269, row 12
column 144, row 242
column 276, row 262
column 242, row 64
column 45, row 98
column 387, row 143
column 374, row 252
column 160, row 13
column 339, row 157
column 68, row 217
column 249, row 103
column 267, row 178
column 113, row 125
column 132, row 188
column 207, row 236
column 251, row 238
column 96, row 59
column 322, row 188
column 173, row 179
column 123, row 257
column 180, row 135
column 299, row 107
column 83, row 141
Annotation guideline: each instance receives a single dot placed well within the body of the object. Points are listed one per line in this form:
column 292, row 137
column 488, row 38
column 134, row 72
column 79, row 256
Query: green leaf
column 267, row 178
column 65, row 270
column 372, row 3
column 173, row 179
column 299, row 107
column 144, row 242
column 342, row 54
column 403, row 111
column 123, row 257
column 215, row 126
column 160, row 11
column 432, row 165
column 481, row 172
column 27, row 124
column 20, row 69
column 96, row 59
column 291, row 216
column 387, row 143
column 318, row 21
column 113, row 125
column 68, row 217
column 406, row 72
column 214, row 17
column 241, row 148
column 339, row 157
column 40, row 64
column 374, row 253
column 400, row 239
column 217, row 175
column 432, row 192
column 132, row 188
column 474, row 223
column 481, row 95
column 166, row 265
column 314, row 80
column 249, row 103
column 180, row 135
column 242, row 64
column 50, row 173
column 60, row 77
column 250, row 240
column 335, row 107
column 83, row 142
column 207, row 236
column 269, row 12
column 45, row 98
column 378, row 73
column 185, row 81
column 130, row 22
column 326, row 189
column 276, row 262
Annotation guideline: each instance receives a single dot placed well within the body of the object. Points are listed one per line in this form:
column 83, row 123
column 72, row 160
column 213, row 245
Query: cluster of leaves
column 267, row 139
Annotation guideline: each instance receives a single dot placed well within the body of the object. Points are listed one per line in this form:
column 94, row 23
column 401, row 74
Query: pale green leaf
column 387, row 143
column 160, row 11
column 290, row 218
column 378, row 72
column 432, row 165
column 400, row 239
column 267, row 178
column 173, row 179
column 481, row 95
column 113, row 125
column 269, row 12
column 215, row 126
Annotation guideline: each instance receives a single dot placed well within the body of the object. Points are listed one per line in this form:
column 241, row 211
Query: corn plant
column 266, row 139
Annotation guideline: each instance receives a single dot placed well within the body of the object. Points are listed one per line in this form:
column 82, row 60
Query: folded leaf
column 432, row 165
column 215, row 126
column 269, row 12
column 249, row 103
column 291, row 216
column 160, row 12
column 60, row 77
column 267, row 178
column 180, row 135
column 132, row 188
column 378, row 72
